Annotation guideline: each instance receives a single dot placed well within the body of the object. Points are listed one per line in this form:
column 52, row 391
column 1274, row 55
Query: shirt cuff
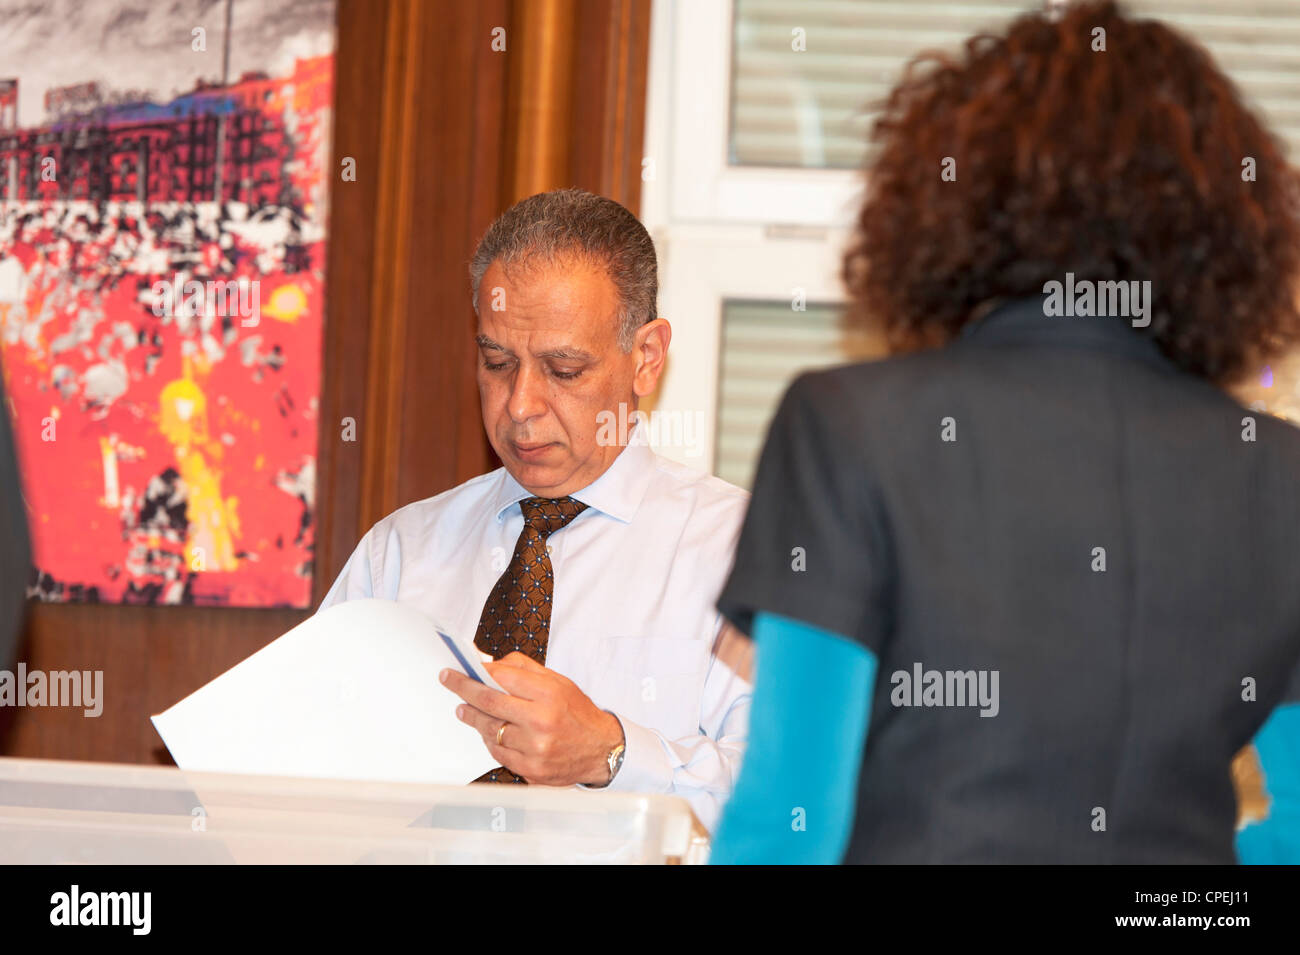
column 646, row 768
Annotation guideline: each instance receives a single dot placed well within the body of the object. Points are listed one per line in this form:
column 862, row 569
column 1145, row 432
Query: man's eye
column 567, row 375
column 494, row 366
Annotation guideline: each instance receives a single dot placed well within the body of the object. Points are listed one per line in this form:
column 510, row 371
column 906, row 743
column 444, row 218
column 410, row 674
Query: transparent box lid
column 55, row 812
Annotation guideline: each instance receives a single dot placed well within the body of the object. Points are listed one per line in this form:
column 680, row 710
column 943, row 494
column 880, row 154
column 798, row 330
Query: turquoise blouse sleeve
column 1276, row 839
column 796, row 796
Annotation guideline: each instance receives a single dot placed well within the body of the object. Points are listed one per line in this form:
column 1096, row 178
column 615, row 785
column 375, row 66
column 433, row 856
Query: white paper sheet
column 350, row 693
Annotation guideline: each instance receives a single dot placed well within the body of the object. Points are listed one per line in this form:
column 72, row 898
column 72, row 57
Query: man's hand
column 556, row 736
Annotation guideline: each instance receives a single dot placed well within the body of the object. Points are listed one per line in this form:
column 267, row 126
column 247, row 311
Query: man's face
column 549, row 363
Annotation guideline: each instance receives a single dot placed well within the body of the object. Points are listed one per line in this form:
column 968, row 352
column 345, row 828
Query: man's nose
column 527, row 399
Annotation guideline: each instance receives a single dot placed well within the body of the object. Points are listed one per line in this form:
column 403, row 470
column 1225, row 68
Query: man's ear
column 651, row 347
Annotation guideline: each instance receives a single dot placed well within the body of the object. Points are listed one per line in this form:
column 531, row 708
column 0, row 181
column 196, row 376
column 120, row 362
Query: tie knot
column 547, row 515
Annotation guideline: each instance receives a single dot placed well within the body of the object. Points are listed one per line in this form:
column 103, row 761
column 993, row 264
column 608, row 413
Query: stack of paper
column 351, row 693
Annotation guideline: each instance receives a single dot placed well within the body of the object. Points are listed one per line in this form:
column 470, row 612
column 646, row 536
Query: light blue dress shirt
column 633, row 621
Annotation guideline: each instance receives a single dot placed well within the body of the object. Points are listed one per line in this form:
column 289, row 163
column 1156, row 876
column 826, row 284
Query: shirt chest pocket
column 655, row 682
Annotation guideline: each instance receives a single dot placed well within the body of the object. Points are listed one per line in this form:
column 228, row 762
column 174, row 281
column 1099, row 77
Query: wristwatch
column 615, row 757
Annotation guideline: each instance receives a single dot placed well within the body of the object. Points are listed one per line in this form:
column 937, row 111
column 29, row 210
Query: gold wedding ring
column 501, row 730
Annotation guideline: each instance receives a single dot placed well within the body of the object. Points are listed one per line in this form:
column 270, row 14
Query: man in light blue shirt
column 624, row 674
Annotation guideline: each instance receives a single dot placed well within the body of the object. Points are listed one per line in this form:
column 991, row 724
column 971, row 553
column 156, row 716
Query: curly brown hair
column 1122, row 164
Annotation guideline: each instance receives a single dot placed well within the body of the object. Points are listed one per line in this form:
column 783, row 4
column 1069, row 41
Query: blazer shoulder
column 911, row 372
column 867, row 399
column 1281, row 435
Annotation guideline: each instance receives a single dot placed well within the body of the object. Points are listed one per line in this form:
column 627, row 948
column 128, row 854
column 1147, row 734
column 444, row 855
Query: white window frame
column 698, row 36
column 722, row 232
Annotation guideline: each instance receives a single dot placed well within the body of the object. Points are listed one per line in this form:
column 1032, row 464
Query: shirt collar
column 1023, row 321
column 617, row 492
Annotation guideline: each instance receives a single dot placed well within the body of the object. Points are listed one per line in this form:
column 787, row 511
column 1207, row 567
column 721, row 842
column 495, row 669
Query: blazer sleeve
column 813, row 546
column 15, row 554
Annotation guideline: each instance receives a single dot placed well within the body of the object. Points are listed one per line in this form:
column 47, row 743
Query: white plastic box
column 55, row 812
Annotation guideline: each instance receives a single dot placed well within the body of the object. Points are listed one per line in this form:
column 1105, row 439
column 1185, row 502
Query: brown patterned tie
column 517, row 615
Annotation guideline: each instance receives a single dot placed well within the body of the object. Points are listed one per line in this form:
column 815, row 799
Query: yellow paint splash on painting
column 108, row 456
column 286, row 304
column 213, row 520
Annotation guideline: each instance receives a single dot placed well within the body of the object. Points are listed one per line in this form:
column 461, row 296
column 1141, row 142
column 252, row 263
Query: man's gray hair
column 550, row 226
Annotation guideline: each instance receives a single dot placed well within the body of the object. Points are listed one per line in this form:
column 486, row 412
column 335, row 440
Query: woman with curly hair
column 1020, row 591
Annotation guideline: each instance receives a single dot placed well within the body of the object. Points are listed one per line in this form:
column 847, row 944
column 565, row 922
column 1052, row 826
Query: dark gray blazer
column 14, row 559
column 1123, row 692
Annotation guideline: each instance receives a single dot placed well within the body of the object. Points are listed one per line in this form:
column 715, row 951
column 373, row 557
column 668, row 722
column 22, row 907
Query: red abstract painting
column 162, row 267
